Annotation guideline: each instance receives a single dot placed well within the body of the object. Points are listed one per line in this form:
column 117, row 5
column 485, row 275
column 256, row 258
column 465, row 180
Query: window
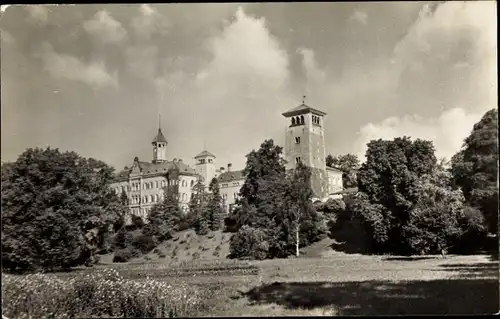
column 302, row 119
column 297, row 140
column 144, row 186
column 156, row 184
column 210, row 160
column 293, row 120
column 192, row 183
column 162, row 184
column 297, row 160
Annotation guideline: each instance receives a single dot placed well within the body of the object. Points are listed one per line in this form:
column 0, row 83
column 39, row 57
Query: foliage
column 144, row 243
column 475, row 168
column 102, row 293
column 137, row 222
column 348, row 163
column 215, row 209
column 274, row 207
column 55, row 208
column 198, row 211
column 124, row 255
column 390, row 180
column 249, row 242
column 164, row 217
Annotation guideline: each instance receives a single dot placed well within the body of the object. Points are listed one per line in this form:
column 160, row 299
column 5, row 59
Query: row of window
column 155, row 198
column 202, row 161
column 316, row 119
column 144, row 212
column 235, row 196
column 151, row 185
column 226, row 184
column 298, row 120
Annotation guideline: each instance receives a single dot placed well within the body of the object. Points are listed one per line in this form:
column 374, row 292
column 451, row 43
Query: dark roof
column 329, row 168
column 302, row 109
column 159, row 137
column 231, row 176
column 151, row 169
column 351, row 190
column 204, row 153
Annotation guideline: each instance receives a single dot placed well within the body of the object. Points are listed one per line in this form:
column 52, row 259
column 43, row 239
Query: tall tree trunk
column 297, row 241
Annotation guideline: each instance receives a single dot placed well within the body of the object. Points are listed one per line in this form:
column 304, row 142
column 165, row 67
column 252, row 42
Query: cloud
column 247, row 57
column 360, row 16
column 314, row 74
column 39, row 14
column 64, row 66
column 447, row 131
column 443, row 71
column 149, row 22
column 7, row 38
column 105, row 28
column 141, row 61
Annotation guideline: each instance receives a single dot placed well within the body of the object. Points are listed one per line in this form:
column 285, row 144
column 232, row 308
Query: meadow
column 340, row 284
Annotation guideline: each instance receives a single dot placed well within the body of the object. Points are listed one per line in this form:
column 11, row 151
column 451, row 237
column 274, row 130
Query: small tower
column 205, row 167
column 159, row 147
column 305, row 143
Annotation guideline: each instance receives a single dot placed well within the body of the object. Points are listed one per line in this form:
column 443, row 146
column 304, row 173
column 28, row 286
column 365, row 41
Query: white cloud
column 105, row 28
column 141, row 61
column 444, row 72
column 360, row 16
column 447, row 132
column 64, row 66
column 38, row 13
column 248, row 57
column 149, row 22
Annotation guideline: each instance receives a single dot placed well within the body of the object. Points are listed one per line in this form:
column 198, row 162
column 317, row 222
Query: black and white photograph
column 163, row 160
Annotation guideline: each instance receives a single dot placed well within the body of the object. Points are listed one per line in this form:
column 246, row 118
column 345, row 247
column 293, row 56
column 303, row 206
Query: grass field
column 345, row 284
column 320, row 282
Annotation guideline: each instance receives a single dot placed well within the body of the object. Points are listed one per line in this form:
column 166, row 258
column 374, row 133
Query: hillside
column 186, row 246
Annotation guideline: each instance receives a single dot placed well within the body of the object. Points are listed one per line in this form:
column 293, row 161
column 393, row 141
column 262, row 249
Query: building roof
column 231, row 176
column 302, row 109
column 204, row 154
column 151, row 169
column 160, row 137
column 329, row 168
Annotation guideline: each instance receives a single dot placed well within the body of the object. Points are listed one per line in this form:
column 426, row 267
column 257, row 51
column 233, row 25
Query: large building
column 144, row 182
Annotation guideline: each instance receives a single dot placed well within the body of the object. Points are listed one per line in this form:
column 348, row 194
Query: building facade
column 144, row 182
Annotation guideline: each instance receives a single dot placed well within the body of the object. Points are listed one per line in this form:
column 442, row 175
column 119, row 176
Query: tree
column 164, row 217
column 475, row 168
column 54, row 206
column 300, row 215
column 249, row 242
column 198, row 212
column 215, row 209
column 389, row 180
column 349, row 164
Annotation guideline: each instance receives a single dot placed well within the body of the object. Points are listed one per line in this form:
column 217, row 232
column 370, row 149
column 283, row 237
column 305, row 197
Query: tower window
column 293, row 120
column 302, row 119
column 297, row 160
column 297, row 140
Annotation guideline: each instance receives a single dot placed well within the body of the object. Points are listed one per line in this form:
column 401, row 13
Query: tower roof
column 303, row 109
column 159, row 137
column 204, row 154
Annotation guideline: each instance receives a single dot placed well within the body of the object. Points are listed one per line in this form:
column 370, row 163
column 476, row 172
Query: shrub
column 147, row 258
column 123, row 255
column 161, row 255
column 196, row 255
column 102, row 293
column 156, row 250
column 182, row 241
column 249, row 242
column 137, row 222
column 144, row 243
column 123, row 239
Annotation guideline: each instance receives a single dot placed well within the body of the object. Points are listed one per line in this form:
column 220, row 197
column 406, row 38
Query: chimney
column 222, row 169
column 229, row 167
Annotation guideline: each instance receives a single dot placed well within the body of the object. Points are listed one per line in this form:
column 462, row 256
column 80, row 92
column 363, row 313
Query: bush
column 122, row 239
column 196, row 255
column 100, row 294
column 144, row 243
column 137, row 222
column 250, row 243
column 162, row 255
column 124, row 255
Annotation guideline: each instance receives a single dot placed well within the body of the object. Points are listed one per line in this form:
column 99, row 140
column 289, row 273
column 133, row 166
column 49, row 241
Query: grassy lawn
column 361, row 285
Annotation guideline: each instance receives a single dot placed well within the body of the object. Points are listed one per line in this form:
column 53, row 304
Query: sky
column 93, row 78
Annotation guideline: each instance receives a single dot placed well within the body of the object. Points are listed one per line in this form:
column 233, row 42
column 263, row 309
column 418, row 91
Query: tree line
column 59, row 212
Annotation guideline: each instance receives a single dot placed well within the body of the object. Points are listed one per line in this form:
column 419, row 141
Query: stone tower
column 159, row 148
column 205, row 167
column 305, row 142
